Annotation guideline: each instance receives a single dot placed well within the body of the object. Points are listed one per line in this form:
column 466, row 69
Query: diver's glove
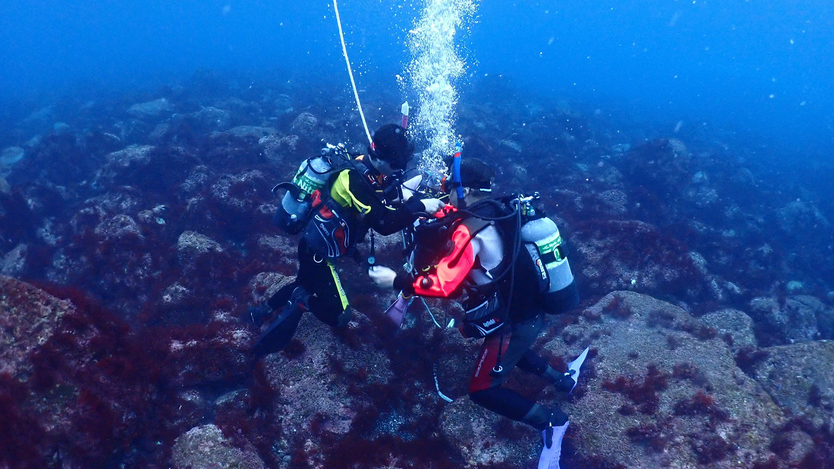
column 260, row 313
column 432, row 206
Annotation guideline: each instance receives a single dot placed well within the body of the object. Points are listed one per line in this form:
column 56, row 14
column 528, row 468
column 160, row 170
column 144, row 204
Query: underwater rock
column 234, row 206
column 192, row 245
column 14, row 262
column 613, row 201
column 662, row 167
column 214, row 353
column 280, row 150
column 28, row 317
column 702, row 197
column 118, row 227
column 249, row 131
column 146, row 167
column 823, row 313
column 265, row 284
column 474, row 430
column 278, row 251
column 793, row 321
column 654, row 262
column 799, row 216
column 213, row 118
column 150, row 109
column 737, row 324
column 9, row 156
column 305, row 124
column 324, row 385
column 119, row 162
column 660, row 386
column 205, row 446
column 799, row 378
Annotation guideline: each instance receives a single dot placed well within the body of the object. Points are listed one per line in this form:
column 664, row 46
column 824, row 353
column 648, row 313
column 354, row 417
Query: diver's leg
column 328, row 301
column 492, row 370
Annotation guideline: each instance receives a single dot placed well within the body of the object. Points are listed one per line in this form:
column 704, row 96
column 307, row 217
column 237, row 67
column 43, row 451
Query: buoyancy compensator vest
column 535, row 274
column 307, row 207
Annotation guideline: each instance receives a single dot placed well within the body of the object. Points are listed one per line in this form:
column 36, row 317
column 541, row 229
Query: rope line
column 350, row 72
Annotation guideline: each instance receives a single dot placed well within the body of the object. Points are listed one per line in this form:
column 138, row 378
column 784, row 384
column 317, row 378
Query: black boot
column 260, row 313
column 282, row 329
column 279, row 333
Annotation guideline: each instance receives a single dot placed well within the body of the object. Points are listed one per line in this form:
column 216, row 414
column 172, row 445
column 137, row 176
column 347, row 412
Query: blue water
column 757, row 68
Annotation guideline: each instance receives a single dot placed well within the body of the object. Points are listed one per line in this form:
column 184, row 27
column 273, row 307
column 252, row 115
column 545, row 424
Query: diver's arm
column 351, row 189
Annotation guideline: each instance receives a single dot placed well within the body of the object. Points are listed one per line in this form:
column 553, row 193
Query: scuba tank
column 296, row 204
column 544, row 243
column 543, row 235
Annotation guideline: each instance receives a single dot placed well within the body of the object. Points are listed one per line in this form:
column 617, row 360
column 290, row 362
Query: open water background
column 760, row 70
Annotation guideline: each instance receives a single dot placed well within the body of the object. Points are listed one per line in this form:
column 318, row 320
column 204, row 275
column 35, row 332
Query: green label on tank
column 551, row 244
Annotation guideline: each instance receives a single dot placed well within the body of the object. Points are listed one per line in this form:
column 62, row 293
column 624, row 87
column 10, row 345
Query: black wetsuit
column 480, row 251
column 358, row 194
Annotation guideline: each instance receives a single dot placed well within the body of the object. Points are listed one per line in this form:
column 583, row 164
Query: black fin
column 279, row 333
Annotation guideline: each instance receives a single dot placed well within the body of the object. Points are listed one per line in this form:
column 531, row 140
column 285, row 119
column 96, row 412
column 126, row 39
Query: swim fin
column 574, row 366
column 280, row 331
column 552, row 449
column 396, row 312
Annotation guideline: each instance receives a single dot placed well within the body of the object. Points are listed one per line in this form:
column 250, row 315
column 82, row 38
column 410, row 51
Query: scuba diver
column 484, row 258
column 351, row 196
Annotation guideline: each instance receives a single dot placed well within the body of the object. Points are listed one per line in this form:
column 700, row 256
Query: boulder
column 28, row 317
column 661, row 389
column 794, row 320
column 799, row 378
column 734, row 324
column 149, row 109
column 205, row 446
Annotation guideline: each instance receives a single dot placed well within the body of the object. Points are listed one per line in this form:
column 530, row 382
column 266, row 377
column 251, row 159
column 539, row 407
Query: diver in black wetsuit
column 476, row 264
column 358, row 197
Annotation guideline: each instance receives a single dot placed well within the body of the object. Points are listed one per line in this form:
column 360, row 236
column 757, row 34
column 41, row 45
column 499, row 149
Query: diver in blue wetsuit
column 483, row 262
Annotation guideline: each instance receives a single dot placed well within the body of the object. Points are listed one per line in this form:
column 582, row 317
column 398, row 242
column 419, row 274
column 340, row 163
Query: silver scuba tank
column 544, row 234
column 312, row 174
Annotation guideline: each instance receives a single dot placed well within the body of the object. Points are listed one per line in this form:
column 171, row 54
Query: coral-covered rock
column 800, row 215
column 799, row 378
column 149, row 109
column 205, row 446
column 28, row 317
column 192, row 245
column 475, row 431
column 249, row 131
column 661, row 386
column 735, row 327
column 13, row 262
column 793, row 321
column 146, row 167
column 305, row 123
column 213, row 118
column 279, row 149
column 653, row 263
